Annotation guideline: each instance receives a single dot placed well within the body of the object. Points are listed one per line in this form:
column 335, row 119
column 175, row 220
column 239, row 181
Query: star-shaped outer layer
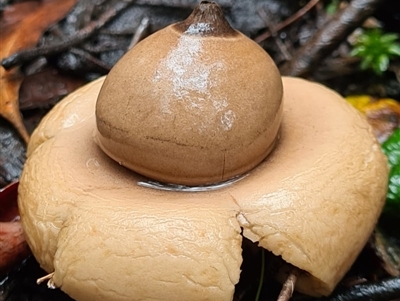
column 314, row 201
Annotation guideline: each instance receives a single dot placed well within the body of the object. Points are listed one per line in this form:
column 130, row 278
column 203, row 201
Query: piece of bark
column 12, row 153
column 384, row 290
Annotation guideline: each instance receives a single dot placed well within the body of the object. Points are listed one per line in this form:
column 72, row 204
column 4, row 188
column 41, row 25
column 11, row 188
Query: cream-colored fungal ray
column 317, row 197
column 107, row 238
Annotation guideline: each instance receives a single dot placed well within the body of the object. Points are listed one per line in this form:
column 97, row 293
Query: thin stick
column 288, row 285
column 90, row 58
column 301, row 12
column 140, row 31
column 282, row 47
column 44, row 278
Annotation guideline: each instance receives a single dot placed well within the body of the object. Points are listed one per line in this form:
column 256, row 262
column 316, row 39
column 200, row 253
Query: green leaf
column 394, row 49
column 383, row 62
column 358, row 51
column 389, row 38
column 391, row 148
column 366, row 38
column 393, row 195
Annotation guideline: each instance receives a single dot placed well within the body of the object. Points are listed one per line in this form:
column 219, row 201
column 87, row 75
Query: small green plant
column 375, row 49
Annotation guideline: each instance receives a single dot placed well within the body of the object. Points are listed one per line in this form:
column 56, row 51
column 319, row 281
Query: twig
column 140, row 31
column 90, row 58
column 83, row 34
column 44, row 278
column 329, row 37
column 288, row 286
column 267, row 20
column 301, row 12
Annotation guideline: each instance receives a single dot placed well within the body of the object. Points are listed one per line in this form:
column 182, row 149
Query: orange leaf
column 19, row 32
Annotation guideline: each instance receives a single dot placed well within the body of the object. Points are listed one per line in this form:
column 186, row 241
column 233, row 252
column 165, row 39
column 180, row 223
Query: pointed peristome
column 206, row 20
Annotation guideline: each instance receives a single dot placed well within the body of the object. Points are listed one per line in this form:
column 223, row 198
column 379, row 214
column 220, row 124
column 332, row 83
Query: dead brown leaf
column 44, row 88
column 21, row 28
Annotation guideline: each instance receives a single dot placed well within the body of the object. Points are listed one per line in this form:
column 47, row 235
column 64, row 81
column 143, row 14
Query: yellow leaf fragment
column 382, row 114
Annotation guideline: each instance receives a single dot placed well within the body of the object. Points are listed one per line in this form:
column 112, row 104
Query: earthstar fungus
column 314, row 200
